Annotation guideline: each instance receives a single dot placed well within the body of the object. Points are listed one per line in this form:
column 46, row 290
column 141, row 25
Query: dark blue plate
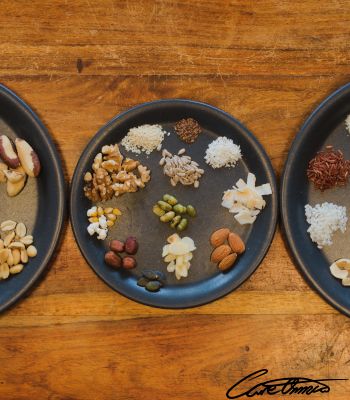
column 324, row 126
column 41, row 204
column 205, row 283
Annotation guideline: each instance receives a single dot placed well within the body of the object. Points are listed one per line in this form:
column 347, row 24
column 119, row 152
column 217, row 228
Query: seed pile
column 188, row 129
column 151, row 280
column 170, row 210
column 222, row 152
column 324, row 220
column 16, row 247
column 113, row 175
column 181, row 168
column 101, row 219
column 144, row 138
column 328, row 169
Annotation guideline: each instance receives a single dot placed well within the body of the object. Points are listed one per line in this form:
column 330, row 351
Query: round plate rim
column 274, row 198
column 325, row 105
column 61, row 191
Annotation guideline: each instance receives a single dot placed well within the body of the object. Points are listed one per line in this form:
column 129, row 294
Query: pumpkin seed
column 153, row 286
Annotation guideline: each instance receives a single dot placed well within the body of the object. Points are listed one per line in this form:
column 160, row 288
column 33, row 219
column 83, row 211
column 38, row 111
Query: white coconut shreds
column 324, row 220
column 347, row 123
column 144, row 138
column 222, row 152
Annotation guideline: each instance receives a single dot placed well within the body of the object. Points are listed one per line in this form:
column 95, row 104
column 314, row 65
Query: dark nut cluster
column 113, row 257
column 19, row 161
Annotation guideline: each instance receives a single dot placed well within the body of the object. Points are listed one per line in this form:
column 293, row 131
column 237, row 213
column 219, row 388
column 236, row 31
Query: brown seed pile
column 188, row 129
column 328, row 169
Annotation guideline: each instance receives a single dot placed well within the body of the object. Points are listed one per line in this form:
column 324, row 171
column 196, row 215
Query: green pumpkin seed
column 191, row 211
column 142, row 281
column 182, row 225
column 158, row 211
column 170, row 199
column 164, row 206
column 153, row 286
column 179, row 209
column 175, row 221
column 167, row 217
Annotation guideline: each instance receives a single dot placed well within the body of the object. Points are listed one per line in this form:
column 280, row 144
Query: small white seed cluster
column 100, row 220
column 16, row 247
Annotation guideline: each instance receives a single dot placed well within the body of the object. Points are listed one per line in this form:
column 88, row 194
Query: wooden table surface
column 78, row 63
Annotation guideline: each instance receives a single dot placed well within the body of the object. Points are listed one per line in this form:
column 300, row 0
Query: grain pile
column 144, row 138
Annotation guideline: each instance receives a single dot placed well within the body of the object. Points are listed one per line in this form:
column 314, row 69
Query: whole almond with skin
column 219, row 237
column 220, row 253
column 227, row 262
column 236, row 243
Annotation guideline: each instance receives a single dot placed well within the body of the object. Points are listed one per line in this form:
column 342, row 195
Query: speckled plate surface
column 326, row 125
column 205, row 283
column 41, row 204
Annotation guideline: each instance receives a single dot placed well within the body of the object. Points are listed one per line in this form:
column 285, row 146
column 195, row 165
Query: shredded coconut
column 222, row 152
column 324, row 220
column 144, row 138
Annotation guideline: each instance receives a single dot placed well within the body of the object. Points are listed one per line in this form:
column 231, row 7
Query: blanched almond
column 16, row 269
column 32, row 251
column 24, row 256
column 21, row 229
column 8, row 225
column 14, row 188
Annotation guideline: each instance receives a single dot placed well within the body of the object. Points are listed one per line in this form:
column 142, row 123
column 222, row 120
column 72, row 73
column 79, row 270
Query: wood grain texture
column 78, row 64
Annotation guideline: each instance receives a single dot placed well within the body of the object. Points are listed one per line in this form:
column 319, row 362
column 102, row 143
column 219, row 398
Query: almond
column 220, row 253
column 236, row 243
column 227, row 262
column 219, row 237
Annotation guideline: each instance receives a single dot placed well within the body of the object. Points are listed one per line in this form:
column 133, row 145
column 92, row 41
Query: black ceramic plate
column 324, row 126
column 204, row 283
column 41, row 204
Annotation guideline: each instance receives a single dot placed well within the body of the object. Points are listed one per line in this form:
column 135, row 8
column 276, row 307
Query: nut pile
column 16, row 247
column 19, row 162
column 188, row 129
column 178, row 254
column 101, row 219
column 180, row 168
column 151, row 280
column 227, row 246
column 113, row 257
column 113, row 175
column 170, row 210
column 340, row 269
